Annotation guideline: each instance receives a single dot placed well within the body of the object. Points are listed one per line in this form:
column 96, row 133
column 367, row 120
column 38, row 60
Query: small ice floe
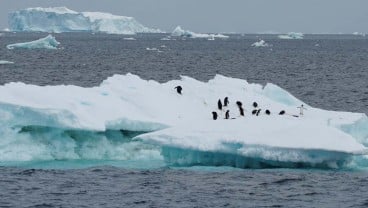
column 48, row 42
column 260, row 43
column 130, row 38
column 5, row 62
column 292, row 35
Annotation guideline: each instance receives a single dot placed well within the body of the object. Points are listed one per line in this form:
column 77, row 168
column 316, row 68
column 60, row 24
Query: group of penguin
column 255, row 112
column 220, row 106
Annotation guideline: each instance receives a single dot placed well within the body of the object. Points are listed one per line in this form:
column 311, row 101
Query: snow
column 62, row 19
column 48, row 42
column 179, row 32
column 260, row 43
column 6, row 62
column 179, row 126
column 292, row 35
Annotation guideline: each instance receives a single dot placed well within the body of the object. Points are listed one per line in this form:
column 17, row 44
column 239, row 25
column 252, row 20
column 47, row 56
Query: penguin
column 239, row 104
column 268, row 112
column 255, row 105
column 178, row 89
column 258, row 111
column 254, row 112
column 219, row 104
column 241, row 111
column 226, row 101
column 227, row 114
column 214, row 115
column 282, row 112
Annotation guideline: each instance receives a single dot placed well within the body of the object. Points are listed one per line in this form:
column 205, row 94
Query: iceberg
column 126, row 117
column 179, row 32
column 359, row 33
column 62, row 19
column 48, row 42
column 292, row 35
column 5, row 62
column 260, row 43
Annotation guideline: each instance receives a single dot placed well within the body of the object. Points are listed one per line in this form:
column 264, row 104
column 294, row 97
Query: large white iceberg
column 48, row 42
column 178, row 31
column 62, row 19
column 292, row 35
column 128, row 117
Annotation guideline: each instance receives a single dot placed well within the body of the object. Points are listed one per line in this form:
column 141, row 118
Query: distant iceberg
column 62, row 19
column 5, row 62
column 48, row 42
column 292, row 35
column 260, row 43
column 178, row 31
column 359, row 33
column 88, row 123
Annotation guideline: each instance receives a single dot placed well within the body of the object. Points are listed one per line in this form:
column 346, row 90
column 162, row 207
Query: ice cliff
column 62, row 19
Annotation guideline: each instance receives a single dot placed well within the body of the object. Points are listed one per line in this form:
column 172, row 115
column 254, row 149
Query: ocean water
column 331, row 75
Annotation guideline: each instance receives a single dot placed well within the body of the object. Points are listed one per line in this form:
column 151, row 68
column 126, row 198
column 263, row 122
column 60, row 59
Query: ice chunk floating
column 127, row 118
column 260, row 43
column 5, row 62
column 62, row 19
column 178, row 31
column 48, row 42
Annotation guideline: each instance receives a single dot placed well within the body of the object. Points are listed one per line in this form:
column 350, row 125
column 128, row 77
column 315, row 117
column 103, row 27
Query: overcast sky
column 241, row 16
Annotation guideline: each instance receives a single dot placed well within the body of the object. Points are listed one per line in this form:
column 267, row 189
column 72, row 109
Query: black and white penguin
column 226, row 101
column 178, row 89
column 239, row 104
column 241, row 110
column 268, row 112
column 258, row 111
column 254, row 112
column 219, row 104
column 214, row 115
column 227, row 114
column 255, row 105
column 282, row 112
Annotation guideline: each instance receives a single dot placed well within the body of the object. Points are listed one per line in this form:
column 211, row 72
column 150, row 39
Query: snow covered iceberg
column 178, row 31
column 292, row 35
column 127, row 117
column 48, row 42
column 62, row 19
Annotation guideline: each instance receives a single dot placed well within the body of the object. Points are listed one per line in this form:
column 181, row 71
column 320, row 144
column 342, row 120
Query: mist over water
column 104, row 168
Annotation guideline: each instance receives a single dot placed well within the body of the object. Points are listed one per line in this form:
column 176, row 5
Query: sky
column 239, row 16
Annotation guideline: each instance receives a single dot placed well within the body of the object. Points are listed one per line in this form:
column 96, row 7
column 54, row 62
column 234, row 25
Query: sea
column 325, row 71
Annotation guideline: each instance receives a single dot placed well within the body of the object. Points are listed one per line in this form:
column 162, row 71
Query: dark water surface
column 332, row 76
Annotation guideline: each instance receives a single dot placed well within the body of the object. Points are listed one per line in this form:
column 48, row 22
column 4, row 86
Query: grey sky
column 242, row 16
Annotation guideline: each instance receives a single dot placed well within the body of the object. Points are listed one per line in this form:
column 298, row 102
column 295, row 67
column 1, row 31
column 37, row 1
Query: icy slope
column 178, row 31
column 48, row 42
column 62, row 19
column 180, row 126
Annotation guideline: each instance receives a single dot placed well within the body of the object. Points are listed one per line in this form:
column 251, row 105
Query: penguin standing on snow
column 258, row 111
column 227, row 114
column 178, row 89
column 282, row 112
column 219, row 104
column 254, row 112
column 241, row 110
column 268, row 112
column 226, row 101
column 214, row 115
column 255, row 105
